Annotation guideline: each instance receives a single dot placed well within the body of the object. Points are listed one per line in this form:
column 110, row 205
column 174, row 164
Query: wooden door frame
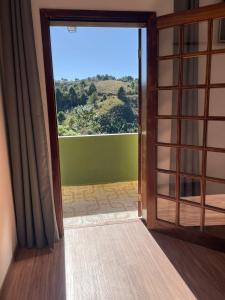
column 60, row 15
column 206, row 13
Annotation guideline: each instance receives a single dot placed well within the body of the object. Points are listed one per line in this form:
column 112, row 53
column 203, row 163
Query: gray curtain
column 189, row 130
column 34, row 208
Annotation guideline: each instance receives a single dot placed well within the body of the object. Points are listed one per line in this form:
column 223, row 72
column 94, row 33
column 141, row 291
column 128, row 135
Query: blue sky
column 94, row 50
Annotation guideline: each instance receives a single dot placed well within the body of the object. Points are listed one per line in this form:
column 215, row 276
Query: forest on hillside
column 102, row 104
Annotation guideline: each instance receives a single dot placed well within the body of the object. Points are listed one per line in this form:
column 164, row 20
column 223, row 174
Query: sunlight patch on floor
column 119, row 261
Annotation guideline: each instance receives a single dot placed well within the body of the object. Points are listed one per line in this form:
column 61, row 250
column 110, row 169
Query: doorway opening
column 146, row 23
column 97, row 84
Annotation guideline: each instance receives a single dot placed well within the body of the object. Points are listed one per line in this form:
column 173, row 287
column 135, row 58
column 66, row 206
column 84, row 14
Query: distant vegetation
column 95, row 105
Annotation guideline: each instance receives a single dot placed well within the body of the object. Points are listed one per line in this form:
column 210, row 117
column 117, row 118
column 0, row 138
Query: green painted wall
column 98, row 159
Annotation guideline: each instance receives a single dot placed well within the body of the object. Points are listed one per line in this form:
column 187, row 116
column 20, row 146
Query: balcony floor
column 99, row 204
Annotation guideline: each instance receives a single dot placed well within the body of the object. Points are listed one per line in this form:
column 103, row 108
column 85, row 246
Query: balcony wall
column 98, row 159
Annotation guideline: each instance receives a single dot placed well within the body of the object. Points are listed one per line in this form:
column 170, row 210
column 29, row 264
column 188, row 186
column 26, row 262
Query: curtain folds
column 34, row 208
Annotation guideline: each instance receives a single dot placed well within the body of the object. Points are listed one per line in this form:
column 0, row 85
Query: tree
column 73, row 97
column 106, row 77
column 72, row 93
column 61, row 117
column 92, row 89
column 71, row 122
column 132, row 85
column 85, row 120
column 119, row 119
column 64, row 88
column 58, row 96
column 92, row 99
column 82, row 83
column 127, row 78
column 65, row 131
column 121, row 94
column 83, row 98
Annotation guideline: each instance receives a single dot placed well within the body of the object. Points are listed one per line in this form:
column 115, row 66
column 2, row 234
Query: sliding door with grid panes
column 190, row 121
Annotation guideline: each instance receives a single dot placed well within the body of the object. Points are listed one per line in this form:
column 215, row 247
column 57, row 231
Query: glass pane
column 191, row 161
column 192, row 132
column 194, row 70
column 216, row 130
column 168, row 72
column 215, row 165
column 167, row 102
column 166, row 158
column 190, row 189
column 167, row 129
column 214, row 223
column 189, row 215
column 215, row 194
column 195, row 37
column 193, row 101
column 218, row 34
column 166, row 184
column 169, row 41
column 166, row 210
column 217, row 68
column 217, row 102
column 214, row 218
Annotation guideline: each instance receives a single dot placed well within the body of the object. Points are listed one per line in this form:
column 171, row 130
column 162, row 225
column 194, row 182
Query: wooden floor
column 117, row 261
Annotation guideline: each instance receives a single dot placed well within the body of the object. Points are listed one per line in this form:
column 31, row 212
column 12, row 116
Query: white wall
column 7, row 218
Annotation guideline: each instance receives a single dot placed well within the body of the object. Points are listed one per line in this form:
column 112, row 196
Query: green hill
column 101, row 104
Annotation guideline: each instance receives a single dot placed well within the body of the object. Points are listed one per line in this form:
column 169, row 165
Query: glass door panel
column 190, row 124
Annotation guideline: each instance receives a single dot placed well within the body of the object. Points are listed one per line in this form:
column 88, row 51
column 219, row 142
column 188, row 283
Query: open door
column 186, row 124
column 147, row 99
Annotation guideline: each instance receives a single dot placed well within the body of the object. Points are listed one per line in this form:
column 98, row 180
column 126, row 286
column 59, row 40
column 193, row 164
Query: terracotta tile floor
column 96, row 204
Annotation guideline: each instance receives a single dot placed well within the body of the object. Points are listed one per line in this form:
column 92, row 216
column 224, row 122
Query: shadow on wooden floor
column 202, row 269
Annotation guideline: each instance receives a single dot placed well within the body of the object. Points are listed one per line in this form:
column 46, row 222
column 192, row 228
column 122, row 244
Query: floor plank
column 117, row 261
